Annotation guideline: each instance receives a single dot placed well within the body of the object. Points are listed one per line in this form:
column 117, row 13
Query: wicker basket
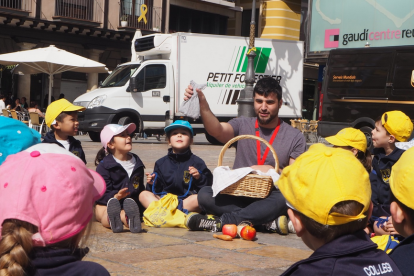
column 252, row 185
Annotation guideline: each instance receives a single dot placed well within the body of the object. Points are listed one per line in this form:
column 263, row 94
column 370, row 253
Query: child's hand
column 389, row 227
column 122, row 194
column 150, row 178
column 194, row 172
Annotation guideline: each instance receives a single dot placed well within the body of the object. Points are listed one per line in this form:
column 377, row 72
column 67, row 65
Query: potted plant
column 124, row 21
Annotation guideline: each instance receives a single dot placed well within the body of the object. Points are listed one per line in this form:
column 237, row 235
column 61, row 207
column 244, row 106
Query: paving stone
column 290, row 240
column 283, row 252
column 234, row 244
column 181, row 233
column 186, row 266
column 127, row 240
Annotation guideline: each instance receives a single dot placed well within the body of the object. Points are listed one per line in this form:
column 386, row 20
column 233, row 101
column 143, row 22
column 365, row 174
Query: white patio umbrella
column 51, row 60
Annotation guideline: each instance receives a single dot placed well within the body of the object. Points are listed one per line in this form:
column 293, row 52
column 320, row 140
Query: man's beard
column 266, row 121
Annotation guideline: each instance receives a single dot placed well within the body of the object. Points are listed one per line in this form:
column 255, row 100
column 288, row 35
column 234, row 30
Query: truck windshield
column 120, row 75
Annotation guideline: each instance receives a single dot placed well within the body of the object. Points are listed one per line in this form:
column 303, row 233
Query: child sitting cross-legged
column 123, row 173
column 180, row 172
column 328, row 195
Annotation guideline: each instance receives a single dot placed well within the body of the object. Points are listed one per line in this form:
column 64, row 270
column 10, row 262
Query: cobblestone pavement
column 173, row 251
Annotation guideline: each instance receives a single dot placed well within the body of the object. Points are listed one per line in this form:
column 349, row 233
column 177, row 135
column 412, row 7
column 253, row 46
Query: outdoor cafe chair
column 34, row 122
column 16, row 115
column 6, row 113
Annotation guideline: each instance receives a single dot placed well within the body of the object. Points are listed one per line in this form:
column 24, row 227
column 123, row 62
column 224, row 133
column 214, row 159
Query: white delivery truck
column 163, row 65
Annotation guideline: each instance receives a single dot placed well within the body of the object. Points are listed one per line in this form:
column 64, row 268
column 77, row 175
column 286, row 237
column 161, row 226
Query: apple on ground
column 248, row 233
column 230, row 229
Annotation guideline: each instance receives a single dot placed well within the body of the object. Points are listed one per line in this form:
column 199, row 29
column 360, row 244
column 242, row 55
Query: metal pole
column 245, row 100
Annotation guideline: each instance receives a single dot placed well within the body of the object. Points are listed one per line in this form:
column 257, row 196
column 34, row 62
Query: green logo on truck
column 260, row 61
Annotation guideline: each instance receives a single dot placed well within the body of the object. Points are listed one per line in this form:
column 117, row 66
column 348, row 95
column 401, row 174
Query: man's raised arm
column 223, row 132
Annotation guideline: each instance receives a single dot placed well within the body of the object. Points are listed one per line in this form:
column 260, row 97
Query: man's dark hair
column 331, row 232
column 408, row 211
column 266, row 86
column 2, row 96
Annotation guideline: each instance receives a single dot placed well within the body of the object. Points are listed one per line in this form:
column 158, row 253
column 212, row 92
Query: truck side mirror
column 166, row 99
column 133, row 85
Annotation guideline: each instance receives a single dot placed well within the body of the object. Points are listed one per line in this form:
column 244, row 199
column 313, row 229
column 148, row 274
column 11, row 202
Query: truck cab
column 114, row 101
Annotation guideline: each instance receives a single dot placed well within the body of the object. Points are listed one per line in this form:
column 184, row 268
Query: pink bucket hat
column 111, row 130
column 50, row 188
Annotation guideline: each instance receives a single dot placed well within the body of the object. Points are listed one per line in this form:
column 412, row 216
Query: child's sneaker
column 197, row 222
column 290, row 227
column 279, row 225
column 132, row 215
column 114, row 215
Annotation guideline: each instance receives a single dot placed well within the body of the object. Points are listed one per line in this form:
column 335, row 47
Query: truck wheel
column 124, row 121
column 95, row 136
column 368, row 133
column 127, row 120
column 213, row 140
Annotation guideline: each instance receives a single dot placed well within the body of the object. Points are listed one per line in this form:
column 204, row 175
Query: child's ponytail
column 100, row 156
column 15, row 246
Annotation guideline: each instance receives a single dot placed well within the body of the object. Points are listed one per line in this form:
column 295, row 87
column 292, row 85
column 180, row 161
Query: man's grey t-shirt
column 289, row 143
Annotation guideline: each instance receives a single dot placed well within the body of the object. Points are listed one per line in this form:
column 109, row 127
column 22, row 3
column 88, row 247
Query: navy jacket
column 402, row 256
column 379, row 177
column 353, row 254
column 116, row 178
column 75, row 146
column 173, row 175
column 63, row 262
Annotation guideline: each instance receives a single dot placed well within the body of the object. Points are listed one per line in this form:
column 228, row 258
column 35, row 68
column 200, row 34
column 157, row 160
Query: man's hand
column 262, row 168
column 122, row 194
column 189, row 93
column 194, row 172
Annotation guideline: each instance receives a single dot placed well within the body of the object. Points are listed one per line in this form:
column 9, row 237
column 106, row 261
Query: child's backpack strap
column 164, row 193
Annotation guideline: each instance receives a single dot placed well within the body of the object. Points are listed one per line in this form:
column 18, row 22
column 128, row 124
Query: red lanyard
column 259, row 160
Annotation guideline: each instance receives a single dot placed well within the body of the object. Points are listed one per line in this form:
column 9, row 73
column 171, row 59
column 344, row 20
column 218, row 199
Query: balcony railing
column 89, row 10
column 20, row 5
column 130, row 11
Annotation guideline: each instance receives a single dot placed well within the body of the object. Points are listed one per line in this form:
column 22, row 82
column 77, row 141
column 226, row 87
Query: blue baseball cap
column 179, row 124
column 15, row 137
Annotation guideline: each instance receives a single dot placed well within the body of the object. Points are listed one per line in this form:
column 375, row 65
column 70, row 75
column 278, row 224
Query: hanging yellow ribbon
column 251, row 49
column 144, row 10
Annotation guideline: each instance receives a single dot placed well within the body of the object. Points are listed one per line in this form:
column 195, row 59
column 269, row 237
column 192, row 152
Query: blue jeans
column 235, row 209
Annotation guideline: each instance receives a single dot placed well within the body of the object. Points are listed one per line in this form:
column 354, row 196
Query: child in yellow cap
column 62, row 117
column 328, row 195
column 402, row 210
column 392, row 127
column 355, row 141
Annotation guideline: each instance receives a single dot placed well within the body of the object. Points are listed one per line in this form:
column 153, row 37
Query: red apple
column 247, row 233
column 230, row 229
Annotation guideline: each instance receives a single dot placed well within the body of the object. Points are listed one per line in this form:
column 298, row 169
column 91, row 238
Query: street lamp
column 245, row 100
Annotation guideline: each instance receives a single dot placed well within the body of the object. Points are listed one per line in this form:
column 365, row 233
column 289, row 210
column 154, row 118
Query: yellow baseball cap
column 397, row 124
column 402, row 178
column 57, row 107
column 322, row 177
column 351, row 137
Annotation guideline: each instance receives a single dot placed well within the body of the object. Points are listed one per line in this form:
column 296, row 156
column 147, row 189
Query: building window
column 193, row 21
column 246, row 18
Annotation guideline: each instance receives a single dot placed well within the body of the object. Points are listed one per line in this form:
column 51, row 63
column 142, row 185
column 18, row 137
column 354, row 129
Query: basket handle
column 242, row 137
